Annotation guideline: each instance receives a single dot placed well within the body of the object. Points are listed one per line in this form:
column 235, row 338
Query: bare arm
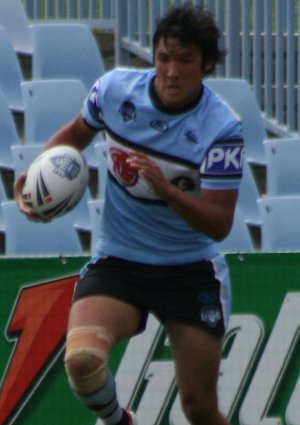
column 75, row 133
column 211, row 213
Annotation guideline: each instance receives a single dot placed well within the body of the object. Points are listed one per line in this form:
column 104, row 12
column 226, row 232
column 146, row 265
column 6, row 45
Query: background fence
column 98, row 13
column 262, row 38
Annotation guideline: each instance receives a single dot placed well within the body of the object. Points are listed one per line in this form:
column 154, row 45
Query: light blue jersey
column 202, row 143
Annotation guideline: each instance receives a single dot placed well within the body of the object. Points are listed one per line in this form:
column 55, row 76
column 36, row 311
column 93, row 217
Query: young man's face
column 179, row 73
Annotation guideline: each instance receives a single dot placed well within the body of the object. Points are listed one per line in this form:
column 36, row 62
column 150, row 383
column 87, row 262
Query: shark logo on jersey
column 125, row 174
column 128, row 111
column 191, row 136
column 159, row 125
column 65, row 166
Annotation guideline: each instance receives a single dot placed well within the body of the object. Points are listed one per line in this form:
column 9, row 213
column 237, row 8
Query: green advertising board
column 259, row 382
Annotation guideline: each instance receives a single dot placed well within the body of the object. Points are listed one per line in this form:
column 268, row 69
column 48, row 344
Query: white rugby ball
column 56, row 181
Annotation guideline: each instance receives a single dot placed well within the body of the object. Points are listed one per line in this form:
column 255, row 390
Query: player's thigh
column 197, row 355
column 119, row 318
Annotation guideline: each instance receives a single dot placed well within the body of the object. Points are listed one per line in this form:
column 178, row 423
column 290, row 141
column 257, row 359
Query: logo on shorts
column 210, row 314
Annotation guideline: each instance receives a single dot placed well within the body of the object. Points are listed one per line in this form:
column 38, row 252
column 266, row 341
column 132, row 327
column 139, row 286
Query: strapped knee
column 86, row 357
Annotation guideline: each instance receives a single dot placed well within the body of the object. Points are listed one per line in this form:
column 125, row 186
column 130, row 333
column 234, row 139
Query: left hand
column 23, row 207
column 210, row 213
column 150, row 172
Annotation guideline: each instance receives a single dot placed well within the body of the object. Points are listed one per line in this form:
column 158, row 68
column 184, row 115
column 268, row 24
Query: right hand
column 25, row 209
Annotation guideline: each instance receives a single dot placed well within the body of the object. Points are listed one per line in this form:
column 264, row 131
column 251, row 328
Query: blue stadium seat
column 8, row 134
column 14, row 19
column 101, row 155
column 280, row 228
column 23, row 155
column 238, row 94
column 3, row 198
column 248, row 197
column 89, row 152
column 80, row 215
column 66, row 51
column 11, row 75
column 50, row 104
column 24, row 237
column 239, row 238
column 95, row 209
column 283, row 169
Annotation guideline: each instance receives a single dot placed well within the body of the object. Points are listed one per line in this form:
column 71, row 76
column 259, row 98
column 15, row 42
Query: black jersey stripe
column 166, row 157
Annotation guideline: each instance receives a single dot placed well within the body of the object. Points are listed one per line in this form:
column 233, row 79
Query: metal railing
column 97, row 13
column 262, row 38
column 263, row 42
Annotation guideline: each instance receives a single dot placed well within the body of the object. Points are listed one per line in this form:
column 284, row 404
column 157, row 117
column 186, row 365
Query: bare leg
column 95, row 325
column 197, row 357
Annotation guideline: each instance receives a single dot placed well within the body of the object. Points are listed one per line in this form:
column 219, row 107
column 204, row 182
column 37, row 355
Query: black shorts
column 190, row 293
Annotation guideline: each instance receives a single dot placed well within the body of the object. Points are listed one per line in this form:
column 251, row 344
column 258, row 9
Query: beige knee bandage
column 86, row 356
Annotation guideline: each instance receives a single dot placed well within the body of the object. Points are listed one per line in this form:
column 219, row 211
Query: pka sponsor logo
column 253, row 383
column 224, row 159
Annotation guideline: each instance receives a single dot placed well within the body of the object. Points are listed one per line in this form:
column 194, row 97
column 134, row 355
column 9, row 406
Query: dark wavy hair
column 192, row 26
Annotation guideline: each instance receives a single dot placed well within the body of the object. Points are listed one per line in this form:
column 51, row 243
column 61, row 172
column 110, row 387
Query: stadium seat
column 14, row 19
column 24, row 237
column 282, row 170
column 95, row 207
column 11, row 75
column 239, row 238
column 89, row 152
column 23, row 155
column 66, row 51
column 50, row 104
column 8, row 134
column 3, row 198
column 280, row 228
column 80, row 214
column 240, row 97
column 101, row 155
column 248, row 197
